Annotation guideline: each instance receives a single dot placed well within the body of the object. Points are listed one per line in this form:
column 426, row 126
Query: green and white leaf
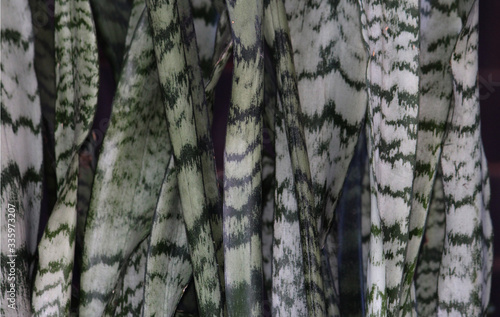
column 242, row 209
column 129, row 174
column 391, row 33
column 429, row 260
column 168, row 268
column 179, row 103
column 77, row 78
column 330, row 60
column 439, row 29
column 21, row 162
column 128, row 296
column 465, row 272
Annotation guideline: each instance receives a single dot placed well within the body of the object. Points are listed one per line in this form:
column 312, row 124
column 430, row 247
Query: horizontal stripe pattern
column 439, row 29
column 177, row 99
column 168, row 268
column 21, row 162
column 243, row 164
column 391, row 33
column 134, row 156
column 465, row 269
column 77, row 78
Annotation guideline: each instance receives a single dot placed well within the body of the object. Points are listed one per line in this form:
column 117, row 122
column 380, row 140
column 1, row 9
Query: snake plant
column 354, row 179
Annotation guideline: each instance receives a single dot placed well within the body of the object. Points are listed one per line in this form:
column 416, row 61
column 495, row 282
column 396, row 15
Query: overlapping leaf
column 179, row 105
column 129, row 175
column 77, row 78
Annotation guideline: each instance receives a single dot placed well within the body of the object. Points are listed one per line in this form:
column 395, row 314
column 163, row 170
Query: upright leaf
column 77, row 78
column 391, row 32
column 330, row 60
column 21, row 162
column 168, row 267
column 439, row 29
column 133, row 160
column 243, row 163
column 128, row 295
column 463, row 285
column 278, row 37
column 178, row 101
column 429, row 260
column 205, row 144
column 288, row 289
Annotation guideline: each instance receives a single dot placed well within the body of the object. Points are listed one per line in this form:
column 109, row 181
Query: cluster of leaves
column 354, row 178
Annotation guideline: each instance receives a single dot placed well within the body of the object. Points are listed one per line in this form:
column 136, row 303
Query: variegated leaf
column 205, row 144
column 391, row 31
column 429, row 260
column 180, row 106
column 330, row 60
column 278, row 37
column 243, row 164
column 128, row 295
column 439, row 29
column 21, row 163
column 168, row 268
column 77, row 78
column 465, row 271
column 288, row 289
column 129, row 175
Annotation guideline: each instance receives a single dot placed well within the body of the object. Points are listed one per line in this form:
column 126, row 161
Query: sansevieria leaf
column 180, row 104
column 437, row 40
column 77, row 78
column 464, row 275
column 132, row 163
column 393, row 86
column 429, row 261
column 168, row 267
column 352, row 181
column 21, row 162
column 243, row 163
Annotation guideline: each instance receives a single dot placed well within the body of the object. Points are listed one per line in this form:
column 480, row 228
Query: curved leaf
column 177, row 98
column 77, row 78
column 129, row 175
column 168, row 268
